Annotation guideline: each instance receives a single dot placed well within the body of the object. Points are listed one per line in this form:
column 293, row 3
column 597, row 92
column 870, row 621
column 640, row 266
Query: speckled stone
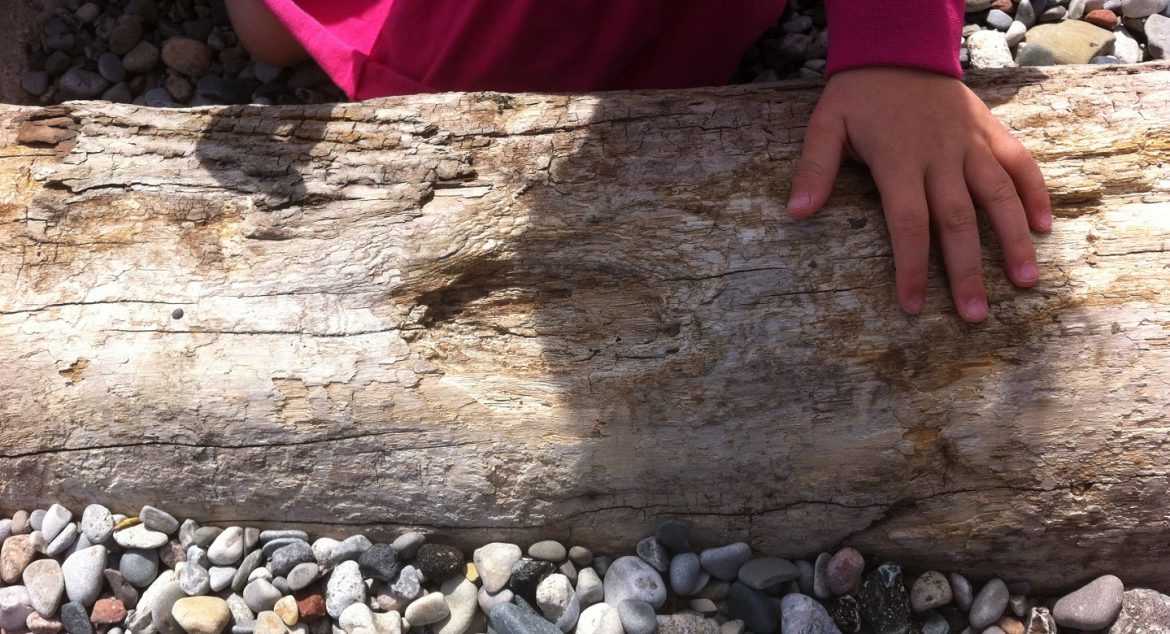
column 884, row 602
column 155, row 518
column 46, row 586
column 75, row 618
column 1092, row 607
column 97, row 524
column 931, row 590
column 380, row 562
column 653, row 553
column 800, row 613
column 438, row 562
column 344, row 588
column 631, row 578
column 15, row 555
column 287, row 557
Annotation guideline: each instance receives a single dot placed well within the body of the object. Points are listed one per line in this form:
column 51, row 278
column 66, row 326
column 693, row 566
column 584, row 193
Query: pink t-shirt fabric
column 376, row 48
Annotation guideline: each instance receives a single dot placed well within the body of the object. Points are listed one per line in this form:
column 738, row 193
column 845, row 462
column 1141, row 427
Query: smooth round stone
column 15, row 608
column 961, row 591
column 286, row 558
column 75, row 618
column 35, row 82
column 83, row 574
column 187, row 56
column 139, row 567
column 1093, row 606
column 5, row 529
column 461, row 596
column 684, row 574
column 286, row 609
column 110, row 66
column 97, row 524
column 356, row 618
column 273, row 545
column 125, row 592
column 408, row 543
column 800, row 613
column 1157, row 29
column 509, row 618
column 601, row 564
column 139, row 536
column 408, row 585
column 884, row 601
column 261, row 595
column 260, row 573
column 548, row 550
column 198, row 555
column 36, row 519
column 488, row 600
column 989, row 604
column 63, row 541
column 244, row 572
column 1139, row 9
column 21, row 523
column 221, row 577
column 141, row 59
column 637, row 617
column 937, row 624
column 107, row 611
column 674, row 534
column 126, row 33
column 1071, row 41
column 590, row 590
column 380, row 562
column 494, row 562
column 438, row 562
column 56, row 518
column 807, row 573
column 752, row 607
column 930, row 591
column 601, row 618
column 269, row 535
column 38, row 624
column 194, row 579
column 322, row 548
column 631, row 578
column 152, row 517
column 351, row 547
column 78, row 83
column 430, row 608
column 46, row 585
column 227, row 548
column 16, row 554
column 201, row 615
column 765, row 572
column 527, row 575
column 653, row 553
column 580, row 555
column 724, row 562
column 269, row 622
column 205, row 536
column 302, row 575
column 558, row 602
column 344, row 588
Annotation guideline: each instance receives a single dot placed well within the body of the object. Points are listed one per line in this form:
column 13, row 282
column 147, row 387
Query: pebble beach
column 98, row 571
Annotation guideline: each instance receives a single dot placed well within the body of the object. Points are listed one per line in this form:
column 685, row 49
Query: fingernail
column 1028, row 273
column 1045, row 219
column 976, row 310
column 914, row 304
column 798, row 201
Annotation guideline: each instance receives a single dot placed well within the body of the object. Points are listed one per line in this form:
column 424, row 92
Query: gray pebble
column 152, row 517
column 651, row 551
column 245, row 570
column 590, row 589
column 350, row 549
column 83, row 574
column 97, row 524
column 1026, row 13
column 57, row 63
column 1158, row 36
column 997, row 19
column 766, row 572
column 821, row 588
column 15, row 608
column 260, row 595
column 139, row 566
column 724, row 562
column 1092, row 607
column 632, row 578
column 126, row 34
column 989, row 604
column 510, row 618
column 110, row 67
column 580, row 555
column 78, row 83
column 1054, row 14
column 221, row 577
column 408, row 585
column 272, row 545
column 303, row 575
column 637, row 617
column 194, row 579
column 269, row 535
column 805, row 581
column 601, row 564
column 753, row 608
column 1139, row 9
column 961, row 591
column 54, row 520
column 197, row 554
column 684, row 574
column 189, row 526
column 63, row 541
column 800, row 613
column 285, row 558
column 548, row 550
column 408, row 543
column 118, row 93
column 121, row 588
column 34, row 82
column 75, row 618
column 488, row 600
column 1015, row 34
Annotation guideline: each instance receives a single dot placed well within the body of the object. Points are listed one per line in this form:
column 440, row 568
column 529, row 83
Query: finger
column 820, row 159
column 908, row 219
column 953, row 216
column 1024, row 172
column 995, row 192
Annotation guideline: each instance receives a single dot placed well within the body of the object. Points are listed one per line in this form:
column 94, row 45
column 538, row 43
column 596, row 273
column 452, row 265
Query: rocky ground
column 184, row 53
column 104, row 572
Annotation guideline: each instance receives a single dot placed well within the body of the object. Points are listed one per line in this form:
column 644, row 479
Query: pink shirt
column 374, row 48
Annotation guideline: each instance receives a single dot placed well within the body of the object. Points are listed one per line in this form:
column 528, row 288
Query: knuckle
column 955, row 218
column 1001, row 192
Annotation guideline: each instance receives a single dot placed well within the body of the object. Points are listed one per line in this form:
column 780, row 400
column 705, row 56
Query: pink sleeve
column 913, row 33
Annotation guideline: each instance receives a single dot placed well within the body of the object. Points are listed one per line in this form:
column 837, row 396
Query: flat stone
column 509, row 618
column 601, row 618
column 97, row 524
column 56, row 518
column 961, row 591
column 302, row 575
column 558, row 602
column 220, row 577
column 227, row 548
column 752, row 607
column 580, row 555
column 427, row 609
column 438, row 562
column 344, row 588
column 930, row 590
column 724, row 562
column 75, row 619
column 273, row 545
column 15, row 555
column 245, row 570
column 46, row 586
column 1158, row 36
column 408, row 543
column 884, row 601
column 83, row 574
column 821, row 588
column 1072, row 41
column 800, row 613
column 637, row 617
column 107, row 611
column 269, row 535
column 765, row 572
column 121, row 588
column 286, row 609
column 349, row 548
column 1093, row 606
column 139, row 536
column 287, row 557
column 139, row 567
column 193, row 578
column 989, row 49
column 548, row 550
column 631, row 578
column 155, row 518
column 989, row 604
column 15, row 608
column 201, row 615
column 684, row 574
column 494, row 562
column 462, row 598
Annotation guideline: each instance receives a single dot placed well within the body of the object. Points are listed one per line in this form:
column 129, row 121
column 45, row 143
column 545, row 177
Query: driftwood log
column 508, row 316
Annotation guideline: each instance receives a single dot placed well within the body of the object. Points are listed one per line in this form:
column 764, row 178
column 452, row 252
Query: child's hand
column 932, row 147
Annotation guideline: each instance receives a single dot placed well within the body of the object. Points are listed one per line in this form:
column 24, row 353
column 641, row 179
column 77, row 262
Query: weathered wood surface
column 511, row 316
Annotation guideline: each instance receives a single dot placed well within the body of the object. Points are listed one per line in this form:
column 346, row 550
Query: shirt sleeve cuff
column 922, row 34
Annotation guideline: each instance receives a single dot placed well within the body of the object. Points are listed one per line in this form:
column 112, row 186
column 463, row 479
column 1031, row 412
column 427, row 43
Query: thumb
column 820, row 159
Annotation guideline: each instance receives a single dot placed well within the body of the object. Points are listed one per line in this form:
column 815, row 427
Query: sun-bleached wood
column 522, row 316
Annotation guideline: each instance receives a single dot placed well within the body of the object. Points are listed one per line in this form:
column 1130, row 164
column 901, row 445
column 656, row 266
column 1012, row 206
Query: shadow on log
column 519, row 316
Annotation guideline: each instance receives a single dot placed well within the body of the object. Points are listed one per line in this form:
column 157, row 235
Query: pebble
column 344, row 588
column 1026, row 13
column 75, row 619
column 548, row 550
column 929, row 591
column 1093, row 606
column 45, row 584
column 1015, row 34
column 884, row 601
column 302, row 575
column 380, row 562
column 322, row 549
column 844, row 570
column 637, row 617
column 350, row 548
column 558, row 602
column 97, row 524
column 269, row 535
column 462, row 598
column 152, row 517
column 193, row 578
column 989, row 49
column 408, row 543
column 1071, row 41
column 286, row 609
column 187, row 56
column 989, row 604
column 807, row 575
column 509, row 618
column 408, row 585
column 83, row 574
column 684, row 574
column 311, row 606
column 527, row 575
column 273, row 545
column 494, row 562
column 15, row 608
column 488, row 600
column 724, row 562
column 767, row 572
column 653, row 553
column 78, row 83
column 55, row 519
column 107, row 611
column 674, row 534
column 20, row 523
column 391, row 623
column 961, row 591
column 1142, row 611
column 800, row 613
column 821, row 588
column 34, row 82
column 138, row 535
column 734, row 626
column 261, row 595
column 846, row 613
column 601, row 618
column 1140, row 9
column 355, row 618
column 269, row 622
column 752, row 607
column 430, row 608
column 438, row 562
column 38, row 624
column 590, row 589
column 201, row 615
column 997, row 19
column 227, row 548
column 631, row 578
column 220, row 577
column 125, row 592
column 1158, row 36
column 139, row 567
column 1107, row 20
column 285, row 558
column 64, row 539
